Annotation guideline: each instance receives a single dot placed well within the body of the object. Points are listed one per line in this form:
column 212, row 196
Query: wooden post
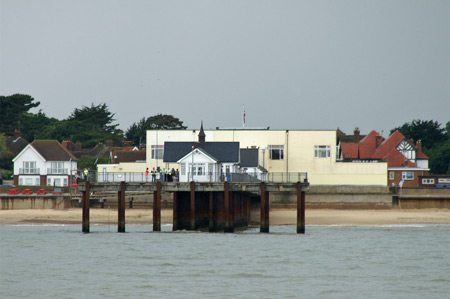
column 228, row 198
column 193, row 222
column 121, row 208
column 249, row 208
column 175, row 211
column 264, row 226
column 157, row 208
column 300, row 209
column 86, row 205
column 212, row 220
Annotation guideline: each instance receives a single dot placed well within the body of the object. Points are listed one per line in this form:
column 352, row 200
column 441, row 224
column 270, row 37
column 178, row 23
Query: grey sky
column 294, row 64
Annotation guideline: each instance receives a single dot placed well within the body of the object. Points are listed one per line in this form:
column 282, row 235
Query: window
column 157, row 152
column 37, row 182
column 65, row 182
column 276, row 152
column 57, row 168
column 428, row 181
column 49, row 182
column 29, row 167
column 391, row 175
column 407, row 175
column 210, row 168
column 322, row 151
column 183, row 169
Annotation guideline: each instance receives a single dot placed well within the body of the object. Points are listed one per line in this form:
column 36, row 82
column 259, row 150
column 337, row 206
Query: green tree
column 6, row 156
column 34, row 126
column 137, row 131
column 91, row 162
column 440, row 158
column 12, row 111
column 95, row 118
column 430, row 132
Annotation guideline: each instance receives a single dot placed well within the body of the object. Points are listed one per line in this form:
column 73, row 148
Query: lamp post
column 192, row 165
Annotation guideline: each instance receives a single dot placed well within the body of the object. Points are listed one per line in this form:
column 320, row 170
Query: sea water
column 58, row 261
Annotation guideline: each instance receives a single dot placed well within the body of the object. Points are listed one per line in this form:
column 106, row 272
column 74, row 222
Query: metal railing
column 272, row 177
column 57, row 171
column 29, row 171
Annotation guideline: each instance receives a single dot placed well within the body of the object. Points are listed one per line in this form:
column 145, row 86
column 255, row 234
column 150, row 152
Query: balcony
column 57, row 171
column 29, row 171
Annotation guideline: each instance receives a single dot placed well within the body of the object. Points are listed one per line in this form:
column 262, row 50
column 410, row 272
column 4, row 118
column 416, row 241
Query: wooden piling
column 228, row 198
column 121, row 208
column 157, row 208
column 86, row 206
column 193, row 215
column 300, row 209
column 264, row 225
column 212, row 220
column 175, row 212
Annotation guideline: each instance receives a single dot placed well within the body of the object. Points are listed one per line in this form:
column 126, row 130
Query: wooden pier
column 213, row 207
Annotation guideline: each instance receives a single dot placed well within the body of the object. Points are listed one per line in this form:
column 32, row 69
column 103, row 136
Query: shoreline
column 277, row 216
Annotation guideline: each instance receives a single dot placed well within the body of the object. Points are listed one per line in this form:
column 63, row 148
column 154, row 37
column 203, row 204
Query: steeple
column 201, row 135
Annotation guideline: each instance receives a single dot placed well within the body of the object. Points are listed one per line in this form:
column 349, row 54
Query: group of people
column 169, row 175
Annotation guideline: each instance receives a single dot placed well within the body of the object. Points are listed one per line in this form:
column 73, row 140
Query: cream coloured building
column 316, row 152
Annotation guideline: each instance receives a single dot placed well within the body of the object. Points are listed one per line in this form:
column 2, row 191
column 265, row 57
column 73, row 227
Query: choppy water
column 328, row 262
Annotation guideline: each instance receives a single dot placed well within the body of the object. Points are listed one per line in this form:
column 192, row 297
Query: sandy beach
column 277, row 216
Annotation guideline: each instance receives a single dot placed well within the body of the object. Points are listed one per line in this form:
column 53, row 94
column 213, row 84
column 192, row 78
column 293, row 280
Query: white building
column 45, row 163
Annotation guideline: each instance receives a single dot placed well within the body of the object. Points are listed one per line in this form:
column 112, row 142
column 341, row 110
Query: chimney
column 356, row 135
column 109, row 143
column 17, row 134
column 201, row 135
column 378, row 141
column 68, row 145
column 77, row 146
column 418, row 148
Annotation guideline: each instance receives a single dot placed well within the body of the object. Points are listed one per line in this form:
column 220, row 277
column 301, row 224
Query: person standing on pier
column 146, row 175
column 153, row 174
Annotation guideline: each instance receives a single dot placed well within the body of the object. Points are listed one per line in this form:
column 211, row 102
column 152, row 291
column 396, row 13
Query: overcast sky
column 294, row 64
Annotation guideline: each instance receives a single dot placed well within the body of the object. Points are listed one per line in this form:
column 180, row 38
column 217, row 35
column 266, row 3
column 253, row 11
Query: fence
column 272, row 177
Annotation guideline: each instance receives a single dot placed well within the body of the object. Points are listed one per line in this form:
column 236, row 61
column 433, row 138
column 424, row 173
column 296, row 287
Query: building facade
column 45, row 163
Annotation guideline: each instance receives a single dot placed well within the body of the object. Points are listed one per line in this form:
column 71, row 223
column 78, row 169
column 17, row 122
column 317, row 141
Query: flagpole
column 243, row 116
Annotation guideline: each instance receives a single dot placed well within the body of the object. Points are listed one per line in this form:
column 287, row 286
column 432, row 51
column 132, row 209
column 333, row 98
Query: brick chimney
column 109, row 143
column 418, row 148
column 17, row 134
column 378, row 141
column 68, row 145
column 356, row 136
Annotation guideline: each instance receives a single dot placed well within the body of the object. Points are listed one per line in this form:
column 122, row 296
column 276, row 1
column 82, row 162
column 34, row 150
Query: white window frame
column 157, row 152
column 322, row 151
column 407, row 175
column 57, row 167
column 29, row 167
column 391, row 175
column 276, row 152
column 428, row 181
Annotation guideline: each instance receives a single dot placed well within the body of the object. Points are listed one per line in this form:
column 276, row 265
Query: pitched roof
column 221, row 151
column 129, row 156
column 16, row 145
column 388, row 145
column 249, row 157
column 52, row 150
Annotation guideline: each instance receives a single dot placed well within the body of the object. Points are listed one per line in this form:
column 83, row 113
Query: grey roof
column 16, row 145
column 220, row 151
column 249, row 157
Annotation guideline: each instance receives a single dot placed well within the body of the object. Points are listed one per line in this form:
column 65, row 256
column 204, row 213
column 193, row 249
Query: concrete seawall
column 20, row 202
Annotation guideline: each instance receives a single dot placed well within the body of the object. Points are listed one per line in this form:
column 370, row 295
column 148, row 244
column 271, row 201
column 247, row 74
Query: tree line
column 95, row 124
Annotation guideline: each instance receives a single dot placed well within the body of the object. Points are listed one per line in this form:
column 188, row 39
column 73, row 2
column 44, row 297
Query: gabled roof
column 249, row 157
column 52, row 150
column 16, row 145
column 388, row 145
column 368, row 145
column 397, row 159
column 221, row 151
column 198, row 150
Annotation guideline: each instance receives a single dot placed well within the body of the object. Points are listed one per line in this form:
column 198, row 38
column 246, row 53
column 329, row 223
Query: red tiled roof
column 368, row 145
column 388, row 145
column 397, row 159
column 349, row 150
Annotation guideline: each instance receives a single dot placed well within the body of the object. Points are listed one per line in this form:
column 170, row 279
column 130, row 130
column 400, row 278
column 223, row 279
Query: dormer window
column 407, row 150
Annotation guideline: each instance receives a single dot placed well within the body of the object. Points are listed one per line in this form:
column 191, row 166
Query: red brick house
column 406, row 161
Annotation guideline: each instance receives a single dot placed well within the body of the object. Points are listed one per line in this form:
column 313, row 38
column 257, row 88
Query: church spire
column 201, row 135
